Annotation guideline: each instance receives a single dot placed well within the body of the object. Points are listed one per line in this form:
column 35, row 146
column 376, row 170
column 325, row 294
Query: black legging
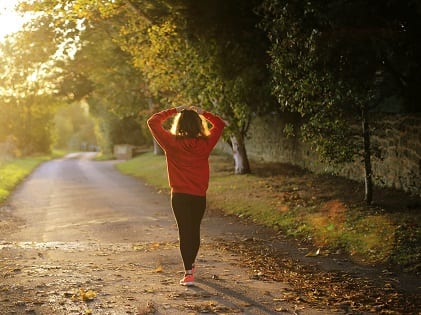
column 188, row 211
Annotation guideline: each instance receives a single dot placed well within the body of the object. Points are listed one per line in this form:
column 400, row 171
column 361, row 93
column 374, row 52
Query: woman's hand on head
column 181, row 108
column 198, row 110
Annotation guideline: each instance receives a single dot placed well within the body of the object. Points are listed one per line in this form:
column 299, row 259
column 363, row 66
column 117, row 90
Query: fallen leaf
column 84, row 295
column 159, row 269
column 313, row 254
column 282, row 309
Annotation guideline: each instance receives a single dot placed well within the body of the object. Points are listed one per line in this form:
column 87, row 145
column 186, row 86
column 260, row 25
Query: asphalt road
column 90, row 240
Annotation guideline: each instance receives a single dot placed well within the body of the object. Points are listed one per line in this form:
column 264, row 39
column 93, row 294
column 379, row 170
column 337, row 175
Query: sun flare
column 10, row 20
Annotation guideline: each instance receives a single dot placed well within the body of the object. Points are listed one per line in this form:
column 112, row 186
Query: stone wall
column 397, row 138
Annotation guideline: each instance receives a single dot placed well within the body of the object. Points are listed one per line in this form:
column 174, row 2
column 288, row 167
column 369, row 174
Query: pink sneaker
column 188, row 280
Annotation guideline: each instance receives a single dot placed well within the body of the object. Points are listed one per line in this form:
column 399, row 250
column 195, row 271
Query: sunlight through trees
column 240, row 59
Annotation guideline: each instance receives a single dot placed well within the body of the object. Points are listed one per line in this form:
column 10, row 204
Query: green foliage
column 302, row 78
column 91, row 66
column 111, row 129
column 117, row 96
column 26, row 104
column 220, row 67
column 332, row 59
column 155, row 54
column 73, row 127
column 328, row 60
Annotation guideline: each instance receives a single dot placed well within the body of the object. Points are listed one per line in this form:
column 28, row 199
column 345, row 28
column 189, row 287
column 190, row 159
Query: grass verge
column 13, row 171
column 324, row 211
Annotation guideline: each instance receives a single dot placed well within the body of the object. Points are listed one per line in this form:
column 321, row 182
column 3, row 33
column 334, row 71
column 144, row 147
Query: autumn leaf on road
column 84, row 295
column 159, row 269
column 313, row 254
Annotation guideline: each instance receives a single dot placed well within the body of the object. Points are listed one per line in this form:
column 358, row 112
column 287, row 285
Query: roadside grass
column 13, row 171
column 149, row 167
column 324, row 212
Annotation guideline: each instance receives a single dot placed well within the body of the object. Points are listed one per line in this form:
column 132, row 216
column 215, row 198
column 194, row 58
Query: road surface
column 90, row 240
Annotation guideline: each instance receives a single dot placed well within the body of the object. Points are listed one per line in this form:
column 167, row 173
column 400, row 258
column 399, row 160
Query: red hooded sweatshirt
column 187, row 158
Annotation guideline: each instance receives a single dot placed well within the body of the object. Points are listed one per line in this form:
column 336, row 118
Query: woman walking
column 187, row 148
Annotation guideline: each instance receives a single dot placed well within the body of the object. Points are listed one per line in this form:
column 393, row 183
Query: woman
column 187, row 148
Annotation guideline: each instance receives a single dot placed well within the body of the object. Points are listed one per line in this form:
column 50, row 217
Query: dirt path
column 92, row 241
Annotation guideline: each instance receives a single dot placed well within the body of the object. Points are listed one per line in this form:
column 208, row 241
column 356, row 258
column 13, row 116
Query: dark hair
column 189, row 125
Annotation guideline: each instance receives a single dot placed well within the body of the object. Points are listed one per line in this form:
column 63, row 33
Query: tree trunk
column 157, row 150
column 367, row 157
column 242, row 165
column 27, row 146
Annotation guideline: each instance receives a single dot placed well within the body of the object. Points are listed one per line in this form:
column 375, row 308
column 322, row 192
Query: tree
column 117, row 85
column 26, row 86
column 332, row 60
column 74, row 128
column 207, row 53
column 238, row 69
column 99, row 72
